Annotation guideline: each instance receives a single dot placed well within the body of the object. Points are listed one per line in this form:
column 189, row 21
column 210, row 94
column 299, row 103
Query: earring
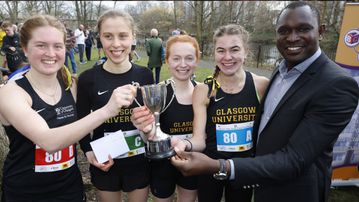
column 320, row 37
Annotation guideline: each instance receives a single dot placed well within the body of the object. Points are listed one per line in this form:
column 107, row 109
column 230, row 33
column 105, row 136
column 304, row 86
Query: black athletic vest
column 177, row 119
column 19, row 176
column 94, row 91
column 227, row 108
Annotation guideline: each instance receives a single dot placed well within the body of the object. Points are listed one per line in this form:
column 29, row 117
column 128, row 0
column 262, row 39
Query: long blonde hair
column 230, row 29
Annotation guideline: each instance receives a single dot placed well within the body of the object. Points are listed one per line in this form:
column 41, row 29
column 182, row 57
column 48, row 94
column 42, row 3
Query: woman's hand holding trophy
column 143, row 119
column 122, row 96
column 154, row 97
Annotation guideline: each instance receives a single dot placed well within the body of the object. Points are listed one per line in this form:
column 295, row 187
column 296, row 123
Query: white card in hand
column 113, row 144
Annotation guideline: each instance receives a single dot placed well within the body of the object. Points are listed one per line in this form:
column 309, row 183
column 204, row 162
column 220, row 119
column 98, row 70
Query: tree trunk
column 99, row 9
column 78, row 14
column 175, row 13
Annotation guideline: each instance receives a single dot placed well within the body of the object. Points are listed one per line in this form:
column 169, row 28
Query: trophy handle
column 137, row 85
column 172, row 83
column 166, row 82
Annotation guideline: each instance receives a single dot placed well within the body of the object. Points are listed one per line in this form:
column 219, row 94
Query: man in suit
column 154, row 51
column 308, row 103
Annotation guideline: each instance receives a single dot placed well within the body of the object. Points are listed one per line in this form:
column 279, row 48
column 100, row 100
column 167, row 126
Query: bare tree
column 99, row 9
column 175, row 13
column 142, row 6
column 48, row 6
column 198, row 16
column 156, row 17
column 32, row 7
column 12, row 8
column 82, row 11
column 339, row 16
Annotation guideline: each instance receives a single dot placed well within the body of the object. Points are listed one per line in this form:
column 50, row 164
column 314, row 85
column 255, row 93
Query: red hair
column 182, row 39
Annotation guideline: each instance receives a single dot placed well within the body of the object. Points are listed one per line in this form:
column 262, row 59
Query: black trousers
column 88, row 50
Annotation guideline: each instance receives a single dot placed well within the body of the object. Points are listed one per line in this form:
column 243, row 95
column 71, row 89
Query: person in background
column 309, row 101
column 133, row 50
column 88, row 43
column 70, row 52
column 15, row 57
column 2, row 35
column 38, row 113
column 80, row 42
column 98, row 45
column 129, row 172
column 176, row 32
column 154, row 51
column 183, row 54
column 183, row 32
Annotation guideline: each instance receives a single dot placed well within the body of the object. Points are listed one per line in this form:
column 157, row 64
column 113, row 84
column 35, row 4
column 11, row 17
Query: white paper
column 113, row 144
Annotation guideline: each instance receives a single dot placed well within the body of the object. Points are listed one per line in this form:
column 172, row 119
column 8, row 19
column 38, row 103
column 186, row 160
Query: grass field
column 201, row 72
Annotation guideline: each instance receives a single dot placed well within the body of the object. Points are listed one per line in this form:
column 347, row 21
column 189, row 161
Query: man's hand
column 194, row 163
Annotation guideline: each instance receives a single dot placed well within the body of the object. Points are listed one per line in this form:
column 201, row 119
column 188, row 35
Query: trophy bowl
column 154, row 97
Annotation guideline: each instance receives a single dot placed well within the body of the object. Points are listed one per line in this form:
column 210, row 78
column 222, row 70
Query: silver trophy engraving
column 154, row 97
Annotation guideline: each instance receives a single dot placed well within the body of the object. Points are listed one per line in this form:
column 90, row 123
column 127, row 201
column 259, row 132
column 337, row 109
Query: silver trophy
column 154, row 97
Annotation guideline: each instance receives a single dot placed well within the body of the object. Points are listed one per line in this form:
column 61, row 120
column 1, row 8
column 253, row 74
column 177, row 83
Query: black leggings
column 88, row 50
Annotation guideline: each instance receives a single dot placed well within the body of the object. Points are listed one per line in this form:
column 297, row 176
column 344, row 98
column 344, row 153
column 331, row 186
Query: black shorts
column 125, row 175
column 133, row 47
column 165, row 177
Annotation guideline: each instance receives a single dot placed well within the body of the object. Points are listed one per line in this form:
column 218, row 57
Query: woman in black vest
column 38, row 113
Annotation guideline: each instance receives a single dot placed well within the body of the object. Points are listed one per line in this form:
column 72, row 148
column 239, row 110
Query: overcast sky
column 120, row 4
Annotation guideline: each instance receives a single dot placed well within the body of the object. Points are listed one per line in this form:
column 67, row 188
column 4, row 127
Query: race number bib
column 235, row 137
column 134, row 142
column 61, row 160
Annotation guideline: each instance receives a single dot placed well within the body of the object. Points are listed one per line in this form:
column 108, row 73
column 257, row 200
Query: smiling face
column 116, row 37
column 46, row 49
column 229, row 53
column 182, row 60
column 297, row 35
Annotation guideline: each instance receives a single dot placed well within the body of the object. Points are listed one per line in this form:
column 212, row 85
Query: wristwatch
column 222, row 173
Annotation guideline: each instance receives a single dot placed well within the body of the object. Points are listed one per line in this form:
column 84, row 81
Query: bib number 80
column 230, row 137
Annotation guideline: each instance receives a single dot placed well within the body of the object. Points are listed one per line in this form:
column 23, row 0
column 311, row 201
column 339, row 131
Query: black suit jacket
column 294, row 150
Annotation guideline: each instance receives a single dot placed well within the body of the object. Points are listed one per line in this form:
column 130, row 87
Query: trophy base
column 160, row 156
column 159, row 149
